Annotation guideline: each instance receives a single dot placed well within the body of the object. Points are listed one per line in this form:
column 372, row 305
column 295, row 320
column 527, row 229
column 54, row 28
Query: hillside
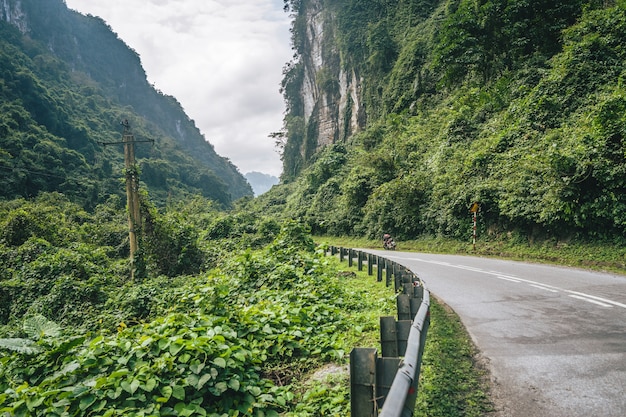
column 66, row 83
column 402, row 114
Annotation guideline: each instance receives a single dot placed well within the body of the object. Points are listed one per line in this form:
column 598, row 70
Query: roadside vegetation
column 249, row 317
column 516, row 105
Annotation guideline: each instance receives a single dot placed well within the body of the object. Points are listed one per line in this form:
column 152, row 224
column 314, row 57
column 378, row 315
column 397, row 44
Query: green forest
column 234, row 307
column 518, row 105
column 58, row 109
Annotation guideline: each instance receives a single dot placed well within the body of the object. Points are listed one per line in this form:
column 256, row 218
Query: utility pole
column 132, row 189
column 474, row 210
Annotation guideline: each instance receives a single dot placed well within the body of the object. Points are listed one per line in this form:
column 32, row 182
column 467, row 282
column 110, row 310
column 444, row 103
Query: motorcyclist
column 388, row 242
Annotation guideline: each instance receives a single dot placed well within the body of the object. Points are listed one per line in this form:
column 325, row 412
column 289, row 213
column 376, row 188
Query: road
column 554, row 339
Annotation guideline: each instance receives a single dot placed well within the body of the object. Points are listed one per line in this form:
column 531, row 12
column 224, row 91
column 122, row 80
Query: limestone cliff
column 323, row 93
column 330, row 91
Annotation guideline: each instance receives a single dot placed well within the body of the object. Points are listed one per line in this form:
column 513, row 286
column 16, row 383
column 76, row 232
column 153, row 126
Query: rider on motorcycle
column 388, row 242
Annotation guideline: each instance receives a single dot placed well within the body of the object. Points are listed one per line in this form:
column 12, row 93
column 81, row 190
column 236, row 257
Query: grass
column 452, row 381
column 607, row 256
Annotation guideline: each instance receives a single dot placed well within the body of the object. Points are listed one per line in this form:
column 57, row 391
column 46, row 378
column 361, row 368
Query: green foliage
column 515, row 104
column 60, row 100
column 238, row 339
column 171, row 244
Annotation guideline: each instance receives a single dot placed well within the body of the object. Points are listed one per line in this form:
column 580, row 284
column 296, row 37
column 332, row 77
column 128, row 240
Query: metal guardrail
column 401, row 398
column 389, row 383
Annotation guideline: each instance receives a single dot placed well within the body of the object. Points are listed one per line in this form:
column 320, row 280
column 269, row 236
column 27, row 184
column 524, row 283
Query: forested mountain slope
column 401, row 114
column 66, row 83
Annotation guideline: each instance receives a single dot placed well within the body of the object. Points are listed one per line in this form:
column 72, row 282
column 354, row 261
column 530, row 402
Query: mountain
column 401, row 115
column 66, row 83
column 260, row 182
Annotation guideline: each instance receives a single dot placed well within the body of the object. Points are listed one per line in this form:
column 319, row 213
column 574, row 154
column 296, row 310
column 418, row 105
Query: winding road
column 554, row 339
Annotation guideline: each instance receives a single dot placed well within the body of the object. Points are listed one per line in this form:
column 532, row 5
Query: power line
column 30, row 171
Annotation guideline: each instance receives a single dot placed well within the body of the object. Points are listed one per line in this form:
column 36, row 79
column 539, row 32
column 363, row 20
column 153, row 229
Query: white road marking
column 589, row 300
column 507, row 278
column 575, row 294
column 600, row 299
column 541, row 287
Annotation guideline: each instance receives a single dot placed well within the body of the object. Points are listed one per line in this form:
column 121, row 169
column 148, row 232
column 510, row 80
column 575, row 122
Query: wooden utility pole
column 474, row 210
column 132, row 190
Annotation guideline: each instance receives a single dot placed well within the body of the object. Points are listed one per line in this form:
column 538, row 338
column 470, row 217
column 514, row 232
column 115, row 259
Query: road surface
column 554, row 338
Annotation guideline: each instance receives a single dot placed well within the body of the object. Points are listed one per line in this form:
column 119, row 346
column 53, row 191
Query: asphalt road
column 554, row 339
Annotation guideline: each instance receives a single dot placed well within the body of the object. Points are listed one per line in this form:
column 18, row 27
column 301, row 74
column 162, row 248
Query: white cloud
column 221, row 59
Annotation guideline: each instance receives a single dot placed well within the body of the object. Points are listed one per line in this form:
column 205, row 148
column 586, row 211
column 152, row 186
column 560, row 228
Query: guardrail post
column 403, row 329
column 403, row 303
column 388, row 272
column 386, row 369
column 380, row 263
column 359, row 262
column 397, row 281
column 388, row 337
column 341, row 254
column 394, row 336
column 363, row 382
column 370, row 264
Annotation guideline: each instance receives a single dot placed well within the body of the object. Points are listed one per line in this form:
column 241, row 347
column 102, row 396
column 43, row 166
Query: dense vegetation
column 518, row 105
column 231, row 324
column 60, row 99
column 251, row 318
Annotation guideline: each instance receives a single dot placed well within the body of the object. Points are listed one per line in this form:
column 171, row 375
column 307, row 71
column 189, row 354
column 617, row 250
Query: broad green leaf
column 203, row 380
column 120, row 373
column 87, row 401
column 24, row 346
column 221, row 362
column 221, row 387
column 185, row 410
column 39, row 327
column 150, row 384
column 130, row 387
column 35, row 402
column 234, row 384
column 166, row 391
column 175, row 348
column 163, row 344
column 178, row 392
column 114, row 394
column 192, row 380
column 196, row 368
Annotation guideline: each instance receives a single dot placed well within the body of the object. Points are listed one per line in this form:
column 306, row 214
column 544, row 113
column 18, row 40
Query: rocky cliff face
column 12, row 12
column 330, row 93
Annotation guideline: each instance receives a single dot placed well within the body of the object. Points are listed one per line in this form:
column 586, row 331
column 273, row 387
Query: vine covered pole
column 132, row 190
column 132, row 193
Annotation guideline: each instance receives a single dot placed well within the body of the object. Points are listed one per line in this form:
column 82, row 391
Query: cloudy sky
column 221, row 59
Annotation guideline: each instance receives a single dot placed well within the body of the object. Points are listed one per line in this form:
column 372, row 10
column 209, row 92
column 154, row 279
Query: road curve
column 554, row 338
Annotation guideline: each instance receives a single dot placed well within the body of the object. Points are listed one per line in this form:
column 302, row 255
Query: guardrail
column 389, row 383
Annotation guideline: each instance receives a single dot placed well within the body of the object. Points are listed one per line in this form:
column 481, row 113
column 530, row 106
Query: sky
column 221, row 59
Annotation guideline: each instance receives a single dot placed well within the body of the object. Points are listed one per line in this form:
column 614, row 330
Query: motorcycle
column 388, row 242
